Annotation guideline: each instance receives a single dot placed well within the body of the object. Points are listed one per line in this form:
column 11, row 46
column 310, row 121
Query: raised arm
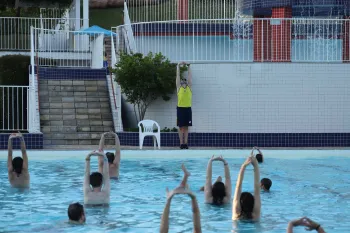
column 117, row 152
column 178, row 81
column 10, row 151
column 228, row 184
column 24, row 152
column 195, row 215
column 106, row 179
column 189, row 79
column 208, row 181
column 102, row 143
column 164, row 224
column 307, row 223
column 236, row 208
column 87, row 175
column 257, row 199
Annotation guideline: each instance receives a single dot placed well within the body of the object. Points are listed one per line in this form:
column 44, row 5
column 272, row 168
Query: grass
column 106, row 18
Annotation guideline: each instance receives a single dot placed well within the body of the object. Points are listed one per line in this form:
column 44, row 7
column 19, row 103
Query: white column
column 77, row 14
column 86, row 13
column 97, row 51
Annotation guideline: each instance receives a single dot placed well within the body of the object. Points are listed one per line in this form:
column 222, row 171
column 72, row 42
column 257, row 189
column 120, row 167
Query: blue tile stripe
column 238, row 140
column 71, row 73
column 33, row 141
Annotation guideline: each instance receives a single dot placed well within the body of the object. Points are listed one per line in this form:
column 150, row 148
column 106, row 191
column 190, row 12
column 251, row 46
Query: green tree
column 144, row 79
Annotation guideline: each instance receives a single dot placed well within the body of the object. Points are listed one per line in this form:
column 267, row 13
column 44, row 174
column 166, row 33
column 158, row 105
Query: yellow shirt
column 184, row 97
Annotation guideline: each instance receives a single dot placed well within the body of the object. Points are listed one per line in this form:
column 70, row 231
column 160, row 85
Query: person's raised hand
column 248, row 161
column 309, row 224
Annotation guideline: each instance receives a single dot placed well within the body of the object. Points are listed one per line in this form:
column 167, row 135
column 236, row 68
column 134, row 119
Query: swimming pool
column 314, row 183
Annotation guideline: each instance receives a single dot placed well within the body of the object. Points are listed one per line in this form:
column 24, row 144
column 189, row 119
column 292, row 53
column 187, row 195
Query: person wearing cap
column 184, row 104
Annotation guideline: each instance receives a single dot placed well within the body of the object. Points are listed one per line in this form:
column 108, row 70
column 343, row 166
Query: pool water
column 305, row 183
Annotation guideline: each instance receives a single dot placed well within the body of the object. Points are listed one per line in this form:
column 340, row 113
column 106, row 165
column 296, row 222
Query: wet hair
column 247, row 204
column 96, row 179
column 110, row 157
column 266, row 182
column 259, row 157
column 218, row 192
column 17, row 165
column 75, row 211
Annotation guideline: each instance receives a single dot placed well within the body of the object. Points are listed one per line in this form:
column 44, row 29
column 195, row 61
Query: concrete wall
column 265, row 98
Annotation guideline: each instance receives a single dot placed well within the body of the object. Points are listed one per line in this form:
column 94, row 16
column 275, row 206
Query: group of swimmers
column 245, row 206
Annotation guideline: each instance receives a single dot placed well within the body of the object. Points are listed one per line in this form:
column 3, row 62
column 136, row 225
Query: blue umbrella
column 95, row 30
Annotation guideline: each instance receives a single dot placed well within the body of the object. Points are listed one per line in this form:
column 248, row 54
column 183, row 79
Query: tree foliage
column 144, row 79
column 38, row 3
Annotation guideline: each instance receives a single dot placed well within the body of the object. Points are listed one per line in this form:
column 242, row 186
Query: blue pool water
column 305, row 183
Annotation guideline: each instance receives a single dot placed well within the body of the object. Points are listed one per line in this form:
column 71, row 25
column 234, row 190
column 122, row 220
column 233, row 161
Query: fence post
column 33, row 122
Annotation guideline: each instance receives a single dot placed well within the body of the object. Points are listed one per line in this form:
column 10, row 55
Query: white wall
column 265, row 98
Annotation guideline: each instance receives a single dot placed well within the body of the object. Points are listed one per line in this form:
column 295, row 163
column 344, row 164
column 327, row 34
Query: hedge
column 14, row 70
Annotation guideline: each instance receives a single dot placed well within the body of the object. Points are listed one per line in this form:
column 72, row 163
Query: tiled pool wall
column 234, row 140
column 33, row 141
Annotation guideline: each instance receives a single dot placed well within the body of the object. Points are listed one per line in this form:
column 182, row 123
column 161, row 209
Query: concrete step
column 74, row 115
column 85, row 83
column 75, row 129
column 77, row 123
column 87, row 142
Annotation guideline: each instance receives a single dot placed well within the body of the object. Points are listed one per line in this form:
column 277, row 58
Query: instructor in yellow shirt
column 184, row 104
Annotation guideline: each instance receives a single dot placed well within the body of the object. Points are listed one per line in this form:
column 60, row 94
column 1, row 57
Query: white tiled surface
column 265, row 98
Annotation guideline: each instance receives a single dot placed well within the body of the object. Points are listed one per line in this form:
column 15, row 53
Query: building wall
column 265, row 98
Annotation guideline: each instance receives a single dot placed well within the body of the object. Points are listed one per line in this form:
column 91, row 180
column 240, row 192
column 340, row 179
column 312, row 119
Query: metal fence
column 241, row 40
column 67, row 48
column 15, row 31
column 14, row 103
column 164, row 10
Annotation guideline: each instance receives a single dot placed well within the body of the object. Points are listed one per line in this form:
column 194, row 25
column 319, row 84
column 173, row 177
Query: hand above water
column 306, row 222
column 178, row 191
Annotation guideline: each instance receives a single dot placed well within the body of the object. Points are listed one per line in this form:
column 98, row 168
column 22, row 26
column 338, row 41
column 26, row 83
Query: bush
column 14, row 70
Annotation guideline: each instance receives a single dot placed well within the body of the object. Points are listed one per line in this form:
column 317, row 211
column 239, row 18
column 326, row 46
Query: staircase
column 74, row 112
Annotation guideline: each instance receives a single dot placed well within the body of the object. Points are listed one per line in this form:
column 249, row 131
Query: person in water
column 259, row 156
column 96, row 195
column 218, row 193
column 184, row 105
column 245, row 205
column 265, row 184
column 18, row 173
column 307, row 223
column 76, row 213
column 113, row 159
column 182, row 189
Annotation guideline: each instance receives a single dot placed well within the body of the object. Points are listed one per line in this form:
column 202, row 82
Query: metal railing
column 14, row 103
column 68, row 48
column 243, row 40
column 15, row 31
column 148, row 11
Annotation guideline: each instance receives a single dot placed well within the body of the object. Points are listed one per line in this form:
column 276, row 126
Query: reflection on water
column 300, row 187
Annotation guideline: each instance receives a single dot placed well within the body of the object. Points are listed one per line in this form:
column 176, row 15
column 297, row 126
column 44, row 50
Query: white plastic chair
column 148, row 126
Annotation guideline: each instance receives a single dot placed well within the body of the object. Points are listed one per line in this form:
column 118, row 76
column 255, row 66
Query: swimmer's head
column 110, row 157
column 218, row 192
column 247, row 205
column 17, row 165
column 76, row 212
column 96, row 179
column 259, row 157
column 265, row 184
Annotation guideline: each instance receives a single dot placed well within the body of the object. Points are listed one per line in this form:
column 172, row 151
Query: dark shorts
column 184, row 116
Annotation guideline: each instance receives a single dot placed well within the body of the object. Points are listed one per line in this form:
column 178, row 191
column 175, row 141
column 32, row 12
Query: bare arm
column 87, row 175
column 102, row 142
column 164, row 225
column 196, row 215
column 117, row 152
column 236, row 208
column 257, row 202
column 189, row 79
column 228, row 185
column 178, row 83
column 24, row 153
column 9, row 158
column 106, row 179
column 208, row 181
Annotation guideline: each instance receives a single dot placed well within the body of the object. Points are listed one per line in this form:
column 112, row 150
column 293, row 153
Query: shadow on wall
column 128, row 114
